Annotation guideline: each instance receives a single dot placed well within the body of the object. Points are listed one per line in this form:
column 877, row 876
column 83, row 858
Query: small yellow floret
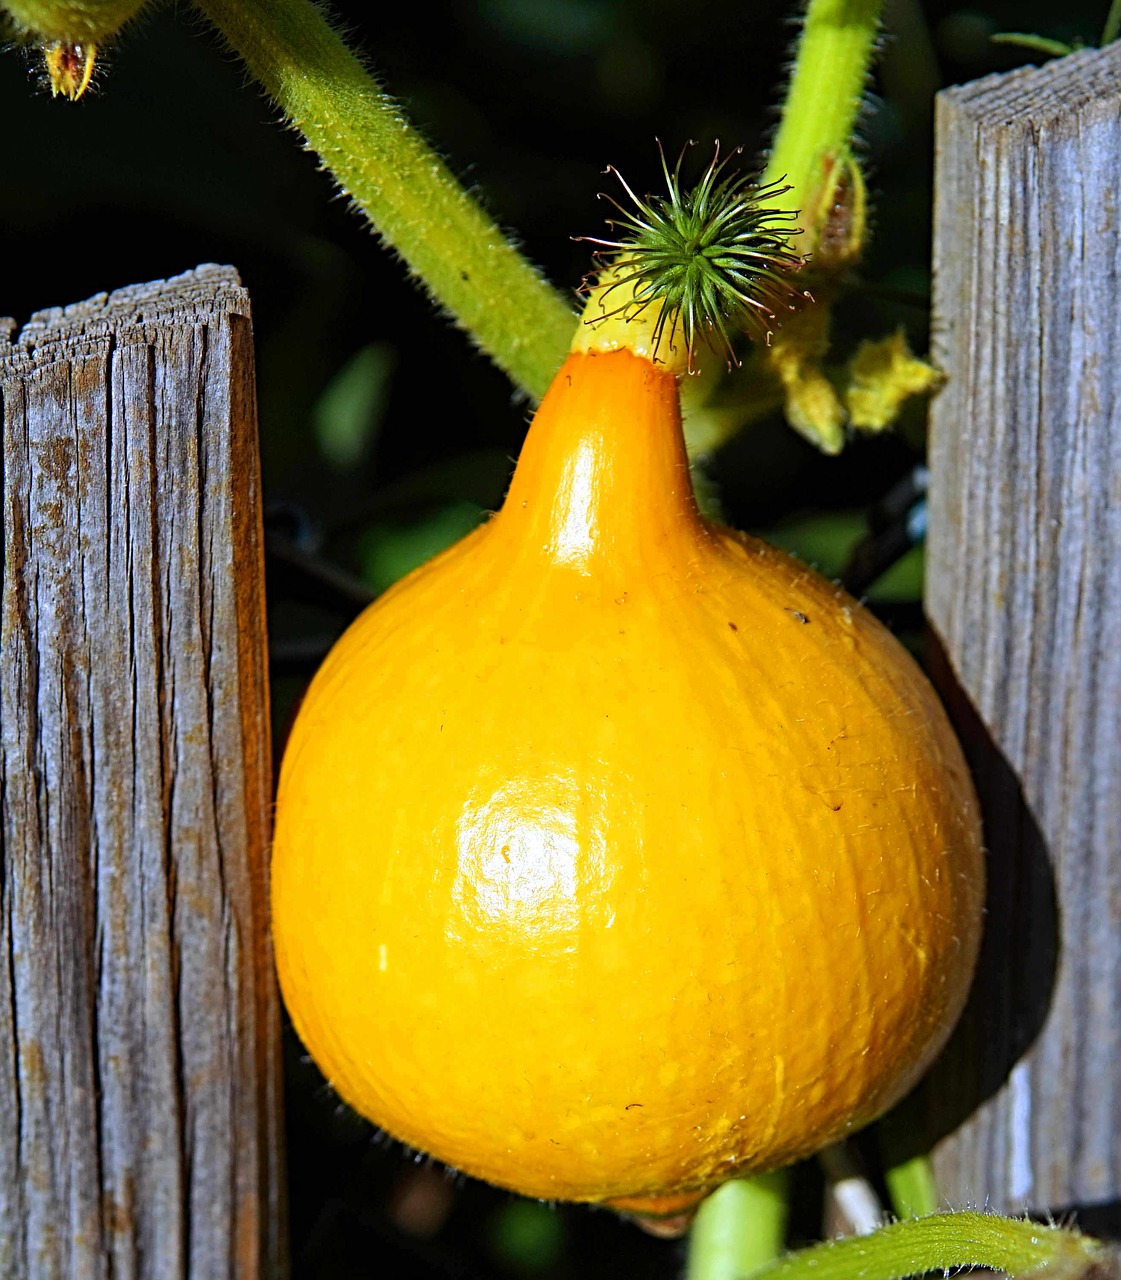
column 796, row 355
column 883, row 375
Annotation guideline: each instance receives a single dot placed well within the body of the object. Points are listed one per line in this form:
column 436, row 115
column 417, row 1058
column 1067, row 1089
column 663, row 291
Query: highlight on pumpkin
column 699, row 264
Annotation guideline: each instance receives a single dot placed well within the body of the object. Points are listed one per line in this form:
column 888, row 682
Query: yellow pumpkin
column 618, row 854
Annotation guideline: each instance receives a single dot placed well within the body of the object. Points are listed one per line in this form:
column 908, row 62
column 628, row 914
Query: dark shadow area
column 1012, row 990
column 362, row 1205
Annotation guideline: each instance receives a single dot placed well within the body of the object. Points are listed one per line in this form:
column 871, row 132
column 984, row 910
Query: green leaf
column 824, row 540
column 389, row 551
column 903, row 581
column 349, row 412
column 528, row 1235
column 1037, row 44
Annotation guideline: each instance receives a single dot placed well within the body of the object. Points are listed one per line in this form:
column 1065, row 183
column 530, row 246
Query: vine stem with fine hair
column 945, row 1242
column 409, row 195
column 823, row 102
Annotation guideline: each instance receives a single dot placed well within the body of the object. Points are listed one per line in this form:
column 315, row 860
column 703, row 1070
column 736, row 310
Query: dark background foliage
column 384, row 434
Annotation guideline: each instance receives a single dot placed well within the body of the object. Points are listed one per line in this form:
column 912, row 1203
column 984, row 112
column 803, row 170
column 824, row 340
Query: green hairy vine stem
column 813, row 146
column 740, row 1228
column 445, row 237
column 945, row 1242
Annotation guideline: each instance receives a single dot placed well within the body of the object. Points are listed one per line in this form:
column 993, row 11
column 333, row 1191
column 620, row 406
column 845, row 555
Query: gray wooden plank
column 1024, row 558
column 140, row 1131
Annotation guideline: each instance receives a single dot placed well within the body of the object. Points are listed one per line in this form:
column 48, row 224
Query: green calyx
column 714, row 260
column 69, row 34
column 70, row 22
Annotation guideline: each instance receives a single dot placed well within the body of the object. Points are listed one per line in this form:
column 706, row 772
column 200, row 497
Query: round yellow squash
column 618, row 854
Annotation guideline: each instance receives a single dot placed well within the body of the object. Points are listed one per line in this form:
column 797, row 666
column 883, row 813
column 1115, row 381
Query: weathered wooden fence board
column 1023, row 590
column 139, row 1048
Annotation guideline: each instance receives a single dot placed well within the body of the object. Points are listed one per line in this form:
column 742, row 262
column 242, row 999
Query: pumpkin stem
column 740, row 1228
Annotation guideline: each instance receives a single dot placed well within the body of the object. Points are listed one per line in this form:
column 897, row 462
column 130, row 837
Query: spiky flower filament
column 69, row 68
column 714, row 260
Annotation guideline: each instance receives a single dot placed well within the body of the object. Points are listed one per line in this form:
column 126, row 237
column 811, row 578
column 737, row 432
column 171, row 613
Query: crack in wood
column 140, row 1133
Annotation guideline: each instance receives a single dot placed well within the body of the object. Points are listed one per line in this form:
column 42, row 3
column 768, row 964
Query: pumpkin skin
column 618, row 854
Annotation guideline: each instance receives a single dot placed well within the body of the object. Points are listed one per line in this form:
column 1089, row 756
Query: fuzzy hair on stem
column 449, row 242
column 715, row 259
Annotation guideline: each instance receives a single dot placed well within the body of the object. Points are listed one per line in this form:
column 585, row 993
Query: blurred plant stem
column 943, row 1242
column 912, row 1188
column 740, row 1228
column 409, row 195
column 908, row 1170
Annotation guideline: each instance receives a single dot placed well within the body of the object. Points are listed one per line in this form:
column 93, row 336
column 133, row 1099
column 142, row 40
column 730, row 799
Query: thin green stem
column 912, row 1188
column 908, row 1171
column 940, row 1243
column 1037, row 44
column 1112, row 23
column 823, row 100
column 739, row 1228
column 403, row 187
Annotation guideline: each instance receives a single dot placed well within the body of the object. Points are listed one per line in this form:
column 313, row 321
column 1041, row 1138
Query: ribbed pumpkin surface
column 618, row 854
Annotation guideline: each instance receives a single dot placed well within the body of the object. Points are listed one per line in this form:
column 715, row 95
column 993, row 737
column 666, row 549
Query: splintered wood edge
column 216, row 288
column 1061, row 87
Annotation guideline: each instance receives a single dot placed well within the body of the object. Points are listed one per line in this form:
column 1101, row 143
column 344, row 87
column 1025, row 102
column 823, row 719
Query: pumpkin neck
column 603, row 474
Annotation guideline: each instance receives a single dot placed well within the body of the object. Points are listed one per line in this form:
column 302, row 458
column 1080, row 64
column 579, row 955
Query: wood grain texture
column 1024, row 567
column 139, row 1035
